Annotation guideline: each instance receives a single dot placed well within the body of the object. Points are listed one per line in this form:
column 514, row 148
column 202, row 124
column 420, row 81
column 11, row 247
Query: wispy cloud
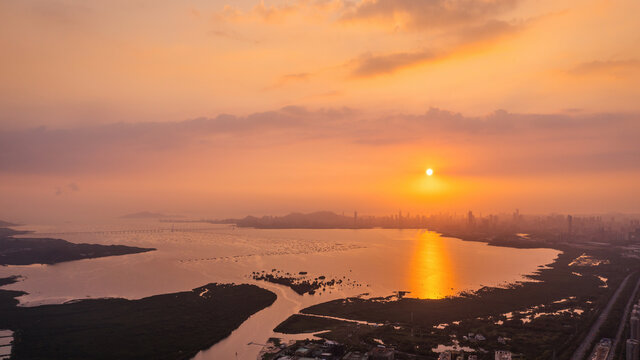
column 233, row 35
column 608, row 67
column 71, row 187
column 262, row 12
column 290, row 78
column 368, row 65
column 465, row 39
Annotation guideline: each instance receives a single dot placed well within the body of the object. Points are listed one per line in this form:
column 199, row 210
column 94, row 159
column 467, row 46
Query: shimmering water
column 375, row 261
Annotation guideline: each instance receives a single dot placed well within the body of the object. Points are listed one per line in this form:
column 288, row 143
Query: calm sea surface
column 377, row 261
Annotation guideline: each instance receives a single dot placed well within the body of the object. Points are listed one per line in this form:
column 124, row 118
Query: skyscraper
column 633, row 349
column 634, row 327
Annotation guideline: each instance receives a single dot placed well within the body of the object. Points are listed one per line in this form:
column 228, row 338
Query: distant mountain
column 6, row 223
column 144, row 215
column 315, row 220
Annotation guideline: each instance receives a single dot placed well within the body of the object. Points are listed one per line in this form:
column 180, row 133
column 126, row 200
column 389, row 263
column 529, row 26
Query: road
column 623, row 322
column 585, row 346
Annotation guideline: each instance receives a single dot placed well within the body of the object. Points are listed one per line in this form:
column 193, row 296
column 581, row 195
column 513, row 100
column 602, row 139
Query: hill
column 144, row 215
column 315, row 220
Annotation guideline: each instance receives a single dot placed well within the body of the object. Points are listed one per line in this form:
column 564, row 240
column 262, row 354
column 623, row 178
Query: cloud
column 233, row 35
column 421, row 14
column 396, row 14
column 616, row 68
column 296, row 77
column 71, row 187
column 461, row 24
column 262, row 12
column 555, row 142
column 57, row 150
column 464, row 39
column 368, row 65
column 290, row 78
column 273, row 12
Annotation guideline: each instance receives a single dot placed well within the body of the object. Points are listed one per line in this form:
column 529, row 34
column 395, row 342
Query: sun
column 429, row 172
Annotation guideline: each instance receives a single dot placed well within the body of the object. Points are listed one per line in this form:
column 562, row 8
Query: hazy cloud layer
column 552, row 142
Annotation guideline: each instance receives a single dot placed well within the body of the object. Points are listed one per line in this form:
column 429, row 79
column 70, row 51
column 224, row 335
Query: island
column 169, row 326
column 301, row 283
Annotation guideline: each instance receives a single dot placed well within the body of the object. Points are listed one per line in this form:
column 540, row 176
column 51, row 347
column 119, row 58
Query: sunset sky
column 219, row 109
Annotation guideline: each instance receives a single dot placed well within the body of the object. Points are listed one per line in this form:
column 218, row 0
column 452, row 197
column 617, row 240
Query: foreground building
column 633, row 349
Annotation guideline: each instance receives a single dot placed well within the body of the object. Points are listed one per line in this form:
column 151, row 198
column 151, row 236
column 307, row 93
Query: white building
column 502, row 355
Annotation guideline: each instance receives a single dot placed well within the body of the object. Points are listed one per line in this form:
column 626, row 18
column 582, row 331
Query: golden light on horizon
column 429, row 172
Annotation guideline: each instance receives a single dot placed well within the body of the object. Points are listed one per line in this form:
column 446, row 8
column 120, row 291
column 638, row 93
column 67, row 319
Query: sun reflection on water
column 431, row 274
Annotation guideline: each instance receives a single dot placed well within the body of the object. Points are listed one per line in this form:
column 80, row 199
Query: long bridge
column 127, row 231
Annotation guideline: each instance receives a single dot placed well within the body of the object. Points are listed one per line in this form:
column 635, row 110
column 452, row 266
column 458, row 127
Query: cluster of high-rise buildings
column 632, row 348
column 611, row 229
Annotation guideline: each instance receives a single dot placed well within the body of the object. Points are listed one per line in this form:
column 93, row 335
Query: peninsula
column 27, row 250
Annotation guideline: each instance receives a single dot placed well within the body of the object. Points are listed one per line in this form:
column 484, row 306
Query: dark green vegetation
column 8, row 300
column 300, row 283
column 170, row 326
column 7, row 232
column 300, row 323
column 503, row 238
column 299, row 286
column 482, row 311
column 26, row 251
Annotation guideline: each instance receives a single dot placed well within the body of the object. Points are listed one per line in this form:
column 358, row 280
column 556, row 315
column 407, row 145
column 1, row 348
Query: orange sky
column 213, row 108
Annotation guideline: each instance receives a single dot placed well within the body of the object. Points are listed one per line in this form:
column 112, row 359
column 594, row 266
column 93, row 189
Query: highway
column 623, row 322
column 585, row 346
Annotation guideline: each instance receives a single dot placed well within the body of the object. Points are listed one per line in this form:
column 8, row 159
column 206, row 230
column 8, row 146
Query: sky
column 220, row 109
